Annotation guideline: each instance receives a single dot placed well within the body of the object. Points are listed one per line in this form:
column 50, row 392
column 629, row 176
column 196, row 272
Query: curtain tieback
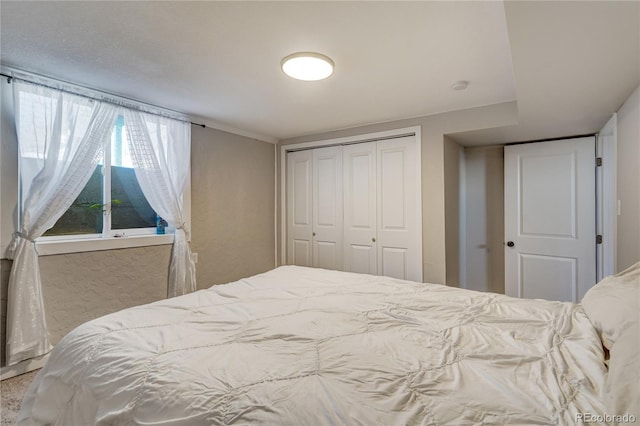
column 22, row 235
column 185, row 228
column 13, row 246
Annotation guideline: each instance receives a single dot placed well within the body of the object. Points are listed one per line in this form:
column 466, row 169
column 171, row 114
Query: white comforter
column 299, row 346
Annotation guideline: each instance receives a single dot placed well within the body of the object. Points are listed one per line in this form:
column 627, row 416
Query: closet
column 356, row 207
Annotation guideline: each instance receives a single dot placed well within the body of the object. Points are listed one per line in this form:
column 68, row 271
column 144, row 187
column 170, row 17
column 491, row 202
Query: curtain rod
column 125, row 103
column 355, row 142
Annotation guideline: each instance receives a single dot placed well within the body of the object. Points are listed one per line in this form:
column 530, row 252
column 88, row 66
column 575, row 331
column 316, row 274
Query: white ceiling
column 575, row 64
column 569, row 65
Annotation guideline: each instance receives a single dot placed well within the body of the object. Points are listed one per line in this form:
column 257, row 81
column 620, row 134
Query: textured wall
column 79, row 287
column 232, row 202
column 628, row 182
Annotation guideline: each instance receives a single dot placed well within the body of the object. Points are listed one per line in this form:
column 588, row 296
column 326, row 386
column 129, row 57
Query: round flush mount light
column 460, row 85
column 307, row 66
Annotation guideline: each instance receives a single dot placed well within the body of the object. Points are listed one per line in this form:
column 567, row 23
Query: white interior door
column 299, row 208
column 327, row 208
column 550, row 249
column 360, row 205
column 398, row 211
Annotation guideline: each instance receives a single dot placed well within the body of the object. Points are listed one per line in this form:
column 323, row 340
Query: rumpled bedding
column 303, row 346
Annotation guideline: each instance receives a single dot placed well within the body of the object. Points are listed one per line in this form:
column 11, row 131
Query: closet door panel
column 301, row 254
column 392, row 190
column 325, row 255
column 361, row 259
column 327, row 208
column 360, row 208
column 299, row 208
column 397, row 207
column 394, row 262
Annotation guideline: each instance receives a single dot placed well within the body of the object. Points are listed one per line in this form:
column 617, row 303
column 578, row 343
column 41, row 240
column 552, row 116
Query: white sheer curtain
column 61, row 138
column 161, row 152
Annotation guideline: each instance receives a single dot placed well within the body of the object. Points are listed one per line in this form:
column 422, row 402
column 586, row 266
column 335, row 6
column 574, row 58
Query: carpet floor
column 11, row 393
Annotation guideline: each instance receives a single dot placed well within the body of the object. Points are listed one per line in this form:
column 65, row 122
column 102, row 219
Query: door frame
column 606, row 199
column 414, row 131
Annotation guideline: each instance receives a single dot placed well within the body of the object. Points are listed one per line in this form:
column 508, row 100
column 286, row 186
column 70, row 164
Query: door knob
column 313, row 234
column 510, row 244
column 373, row 240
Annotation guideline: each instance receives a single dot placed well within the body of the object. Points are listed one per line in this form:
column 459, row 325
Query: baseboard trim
column 23, row 367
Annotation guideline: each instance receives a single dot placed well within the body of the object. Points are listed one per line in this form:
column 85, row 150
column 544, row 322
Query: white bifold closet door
column 360, row 208
column 314, row 208
column 327, row 208
column 355, row 208
column 381, row 211
column 299, row 208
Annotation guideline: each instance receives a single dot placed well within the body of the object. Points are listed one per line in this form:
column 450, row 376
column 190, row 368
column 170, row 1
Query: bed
column 303, row 346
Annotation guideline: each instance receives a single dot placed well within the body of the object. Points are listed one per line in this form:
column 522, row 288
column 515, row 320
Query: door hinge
column 598, row 239
column 599, row 162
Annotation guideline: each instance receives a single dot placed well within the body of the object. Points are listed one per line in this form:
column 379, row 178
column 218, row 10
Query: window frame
column 107, row 231
column 10, row 176
column 63, row 244
column 109, row 239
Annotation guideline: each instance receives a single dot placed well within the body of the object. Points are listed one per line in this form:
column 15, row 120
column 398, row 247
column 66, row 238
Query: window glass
column 85, row 216
column 129, row 207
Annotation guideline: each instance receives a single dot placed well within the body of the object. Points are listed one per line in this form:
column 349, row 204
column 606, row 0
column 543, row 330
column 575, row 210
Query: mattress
column 303, row 346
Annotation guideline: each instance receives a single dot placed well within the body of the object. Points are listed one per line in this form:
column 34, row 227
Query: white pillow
column 622, row 386
column 613, row 305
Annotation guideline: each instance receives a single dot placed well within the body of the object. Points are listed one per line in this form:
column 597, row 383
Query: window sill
column 48, row 248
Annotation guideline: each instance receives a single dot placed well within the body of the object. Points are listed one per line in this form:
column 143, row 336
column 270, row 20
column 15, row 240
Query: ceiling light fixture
column 460, row 85
column 307, row 66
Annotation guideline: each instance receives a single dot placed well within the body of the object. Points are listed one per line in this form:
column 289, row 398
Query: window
column 67, row 130
column 62, row 163
column 111, row 203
